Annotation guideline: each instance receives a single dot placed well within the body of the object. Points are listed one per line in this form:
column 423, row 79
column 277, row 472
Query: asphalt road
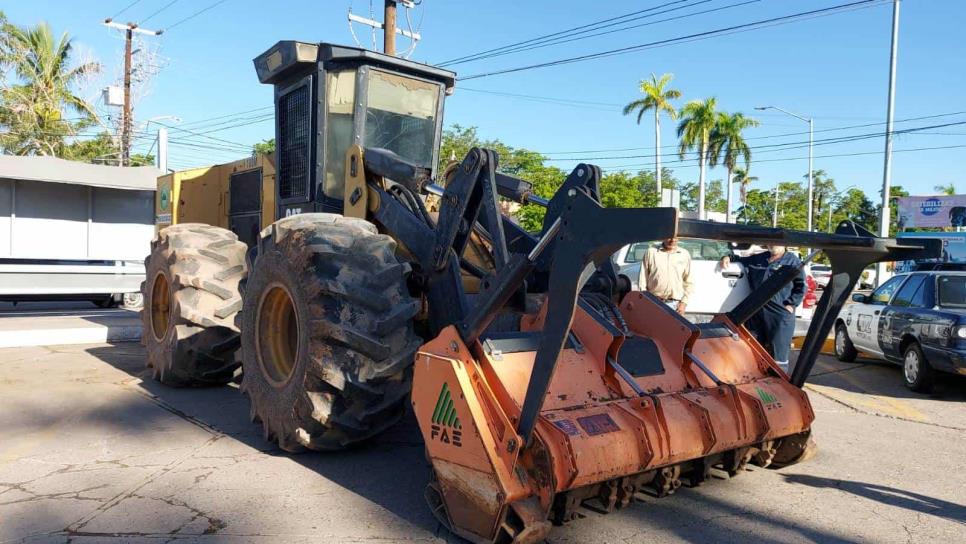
column 89, row 452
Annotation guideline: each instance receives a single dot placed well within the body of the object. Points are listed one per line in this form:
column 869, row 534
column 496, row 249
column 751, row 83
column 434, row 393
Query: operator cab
column 329, row 97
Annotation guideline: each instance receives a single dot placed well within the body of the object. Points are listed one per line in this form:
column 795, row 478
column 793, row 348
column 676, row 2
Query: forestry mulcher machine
column 540, row 382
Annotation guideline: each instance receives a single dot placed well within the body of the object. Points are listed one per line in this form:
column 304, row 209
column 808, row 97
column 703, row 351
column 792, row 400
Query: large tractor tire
column 327, row 332
column 190, row 300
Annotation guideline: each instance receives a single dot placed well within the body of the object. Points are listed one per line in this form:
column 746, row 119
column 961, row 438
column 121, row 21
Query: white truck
column 74, row 231
column 716, row 290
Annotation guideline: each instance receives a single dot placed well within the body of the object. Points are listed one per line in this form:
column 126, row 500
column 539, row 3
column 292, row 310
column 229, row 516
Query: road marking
column 876, row 403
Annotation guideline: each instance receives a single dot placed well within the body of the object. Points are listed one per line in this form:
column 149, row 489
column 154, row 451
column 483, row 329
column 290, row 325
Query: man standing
column 774, row 324
column 666, row 274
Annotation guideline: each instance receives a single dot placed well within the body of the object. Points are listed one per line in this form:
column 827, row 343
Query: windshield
column 705, row 250
column 952, row 291
column 700, row 250
column 401, row 116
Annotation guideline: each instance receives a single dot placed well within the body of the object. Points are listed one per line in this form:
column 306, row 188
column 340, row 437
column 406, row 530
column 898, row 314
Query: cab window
column 884, row 293
column 339, row 104
column 924, row 296
column 907, row 294
column 705, row 250
column 636, row 252
column 401, row 116
column 952, row 291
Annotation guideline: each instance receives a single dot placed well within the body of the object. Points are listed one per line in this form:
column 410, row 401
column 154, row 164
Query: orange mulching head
column 598, row 397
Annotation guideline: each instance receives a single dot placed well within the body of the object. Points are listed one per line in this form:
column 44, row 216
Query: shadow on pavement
column 391, row 470
column 692, row 516
column 886, row 495
column 876, row 377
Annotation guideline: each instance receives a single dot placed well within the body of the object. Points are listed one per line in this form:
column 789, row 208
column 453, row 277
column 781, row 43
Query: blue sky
column 832, row 68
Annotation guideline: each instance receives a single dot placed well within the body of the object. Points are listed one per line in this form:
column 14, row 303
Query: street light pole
column 774, row 216
column 811, row 175
column 885, row 213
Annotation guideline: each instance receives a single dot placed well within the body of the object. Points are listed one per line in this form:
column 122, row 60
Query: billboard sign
column 932, row 211
column 954, row 248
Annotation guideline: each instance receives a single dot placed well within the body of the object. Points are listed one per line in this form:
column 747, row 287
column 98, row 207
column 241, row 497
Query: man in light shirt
column 666, row 274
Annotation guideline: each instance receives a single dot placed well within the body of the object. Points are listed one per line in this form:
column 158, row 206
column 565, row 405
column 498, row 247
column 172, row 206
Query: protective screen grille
column 244, row 191
column 295, row 145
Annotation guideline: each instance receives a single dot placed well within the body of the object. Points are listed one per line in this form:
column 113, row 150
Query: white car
column 821, row 273
column 715, row 290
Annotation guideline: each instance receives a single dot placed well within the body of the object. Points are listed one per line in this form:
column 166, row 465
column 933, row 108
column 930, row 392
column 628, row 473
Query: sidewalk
column 65, row 323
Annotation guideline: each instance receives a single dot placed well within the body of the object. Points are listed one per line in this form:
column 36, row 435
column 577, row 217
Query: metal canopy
column 54, row 170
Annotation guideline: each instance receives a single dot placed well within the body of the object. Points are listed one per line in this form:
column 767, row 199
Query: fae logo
column 768, row 399
column 930, row 207
column 446, row 425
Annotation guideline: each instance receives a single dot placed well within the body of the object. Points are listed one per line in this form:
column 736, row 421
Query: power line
column 786, row 145
column 166, row 6
column 831, row 129
column 623, row 167
column 205, row 136
column 550, row 100
column 592, row 26
column 586, row 34
column 197, row 13
column 735, row 29
column 127, row 7
column 206, row 120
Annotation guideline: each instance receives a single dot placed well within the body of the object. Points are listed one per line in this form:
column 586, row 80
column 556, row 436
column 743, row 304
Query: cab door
column 899, row 316
column 864, row 326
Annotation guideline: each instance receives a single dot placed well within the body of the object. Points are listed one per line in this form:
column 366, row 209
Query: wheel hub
column 276, row 343
column 911, row 367
column 160, row 306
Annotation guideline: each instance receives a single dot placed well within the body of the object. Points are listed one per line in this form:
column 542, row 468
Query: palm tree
column 948, row 189
column 698, row 120
column 33, row 107
column 743, row 180
column 657, row 98
column 728, row 144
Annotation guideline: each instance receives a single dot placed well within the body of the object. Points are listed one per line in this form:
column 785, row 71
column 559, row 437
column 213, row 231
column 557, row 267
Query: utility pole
column 126, row 121
column 389, row 28
column 126, row 112
column 163, row 150
column 885, row 213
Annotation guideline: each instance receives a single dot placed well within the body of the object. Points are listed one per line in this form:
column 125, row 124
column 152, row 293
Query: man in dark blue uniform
column 774, row 324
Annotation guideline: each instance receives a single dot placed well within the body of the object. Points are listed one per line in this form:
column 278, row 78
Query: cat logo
column 446, row 425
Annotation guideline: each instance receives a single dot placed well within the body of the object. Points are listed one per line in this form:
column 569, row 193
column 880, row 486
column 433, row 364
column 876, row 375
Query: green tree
column 895, row 193
column 743, row 179
column 853, row 205
column 761, row 206
column 33, row 108
column 698, row 120
column 657, row 98
column 946, row 189
column 728, row 144
column 714, row 196
column 103, row 149
column 264, row 147
column 823, row 192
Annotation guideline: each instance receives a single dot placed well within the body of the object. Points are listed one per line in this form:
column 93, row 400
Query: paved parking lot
column 91, row 452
